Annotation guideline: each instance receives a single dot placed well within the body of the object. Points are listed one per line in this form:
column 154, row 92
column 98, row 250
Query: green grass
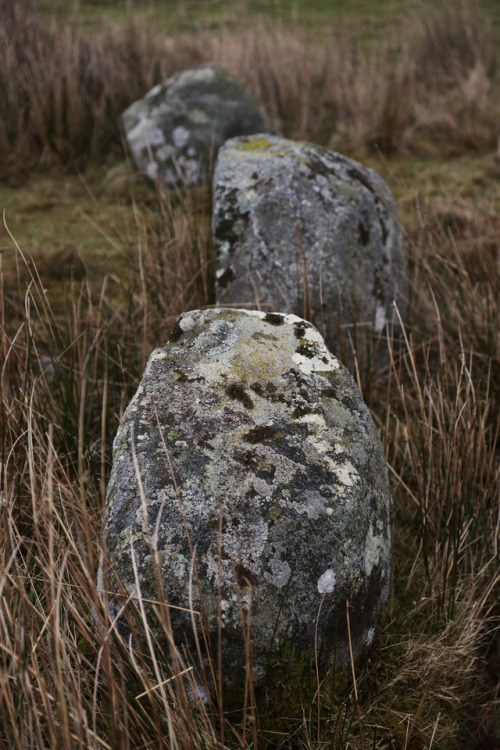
column 370, row 22
column 73, row 225
column 83, row 225
column 438, row 94
column 188, row 15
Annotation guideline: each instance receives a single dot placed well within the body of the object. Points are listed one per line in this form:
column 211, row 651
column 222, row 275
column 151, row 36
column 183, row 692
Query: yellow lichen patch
column 262, row 465
column 253, row 144
column 275, row 512
column 249, row 370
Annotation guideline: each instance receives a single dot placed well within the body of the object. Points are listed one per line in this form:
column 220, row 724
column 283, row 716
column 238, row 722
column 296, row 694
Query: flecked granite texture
column 301, row 229
column 176, row 129
column 282, row 487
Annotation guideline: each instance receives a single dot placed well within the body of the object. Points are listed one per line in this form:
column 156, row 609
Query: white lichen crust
column 297, row 227
column 282, row 485
column 175, row 131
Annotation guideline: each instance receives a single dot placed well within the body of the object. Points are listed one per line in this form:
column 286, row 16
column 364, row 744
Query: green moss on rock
column 265, row 462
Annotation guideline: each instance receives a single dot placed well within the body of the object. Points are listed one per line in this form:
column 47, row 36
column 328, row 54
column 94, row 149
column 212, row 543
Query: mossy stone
column 264, row 463
column 176, row 130
column 304, row 230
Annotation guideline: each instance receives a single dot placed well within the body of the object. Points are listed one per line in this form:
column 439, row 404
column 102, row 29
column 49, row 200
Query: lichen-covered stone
column 301, row 229
column 175, row 131
column 282, row 487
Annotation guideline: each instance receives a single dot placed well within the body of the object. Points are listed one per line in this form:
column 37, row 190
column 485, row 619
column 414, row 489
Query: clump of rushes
column 62, row 92
column 65, row 382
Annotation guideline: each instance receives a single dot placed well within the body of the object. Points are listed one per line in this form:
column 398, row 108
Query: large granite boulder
column 301, row 229
column 282, row 488
column 175, row 131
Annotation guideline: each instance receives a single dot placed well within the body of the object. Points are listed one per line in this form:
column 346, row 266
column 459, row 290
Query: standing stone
column 301, row 229
column 282, row 488
column 175, row 131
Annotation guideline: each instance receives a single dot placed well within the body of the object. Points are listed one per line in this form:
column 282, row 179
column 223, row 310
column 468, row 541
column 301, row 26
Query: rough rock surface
column 175, row 131
column 282, row 483
column 301, row 229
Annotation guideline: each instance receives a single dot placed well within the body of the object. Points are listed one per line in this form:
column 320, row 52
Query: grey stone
column 301, row 229
column 282, row 486
column 175, row 131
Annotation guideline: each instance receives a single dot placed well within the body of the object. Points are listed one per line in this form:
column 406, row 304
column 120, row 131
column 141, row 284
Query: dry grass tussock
column 61, row 93
column 431, row 678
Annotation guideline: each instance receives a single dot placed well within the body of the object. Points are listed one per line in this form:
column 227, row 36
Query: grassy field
column 366, row 19
column 95, row 267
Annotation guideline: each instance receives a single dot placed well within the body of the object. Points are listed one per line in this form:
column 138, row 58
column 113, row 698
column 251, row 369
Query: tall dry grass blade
column 353, row 671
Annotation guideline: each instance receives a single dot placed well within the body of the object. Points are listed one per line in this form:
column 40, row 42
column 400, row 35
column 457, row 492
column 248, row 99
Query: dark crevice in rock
column 260, row 434
column 300, row 330
column 318, row 167
column 364, row 234
column 274, row 319
column 385, row 233
column 238, row 392
column 357, row 174
column 176, row 333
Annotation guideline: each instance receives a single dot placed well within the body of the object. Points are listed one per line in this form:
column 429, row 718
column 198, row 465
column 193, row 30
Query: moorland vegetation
column 96, row 266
